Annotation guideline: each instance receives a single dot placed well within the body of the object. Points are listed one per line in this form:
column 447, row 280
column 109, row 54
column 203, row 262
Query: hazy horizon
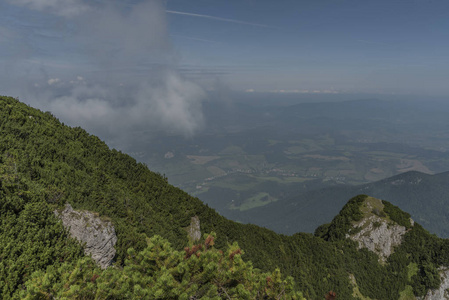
column 117, row 67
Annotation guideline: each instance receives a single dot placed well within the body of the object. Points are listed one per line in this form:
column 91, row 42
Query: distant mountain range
column 425, row 196
column 303, row 161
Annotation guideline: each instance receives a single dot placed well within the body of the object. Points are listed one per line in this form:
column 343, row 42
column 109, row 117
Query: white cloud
column 52, row 81
column 114, row 38
column 129, row 81
column 65, row 8
column 175, row 105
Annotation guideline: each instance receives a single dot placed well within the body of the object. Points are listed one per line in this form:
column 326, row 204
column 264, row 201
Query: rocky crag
column 379, row 234
column 97, row 236
column 375, row 231
column 442, row 292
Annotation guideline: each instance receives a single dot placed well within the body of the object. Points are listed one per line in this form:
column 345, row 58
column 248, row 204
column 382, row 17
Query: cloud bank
column 65, row 8
column 107, row 66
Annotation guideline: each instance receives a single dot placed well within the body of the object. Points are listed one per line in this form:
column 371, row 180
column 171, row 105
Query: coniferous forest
column 45, row 164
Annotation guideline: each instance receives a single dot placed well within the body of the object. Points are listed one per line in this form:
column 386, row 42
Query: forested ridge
column 45, row 164
column 424, row 196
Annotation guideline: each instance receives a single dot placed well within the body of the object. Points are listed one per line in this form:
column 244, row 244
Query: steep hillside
column 404, row 250
column 425, row 197
column 45, row 165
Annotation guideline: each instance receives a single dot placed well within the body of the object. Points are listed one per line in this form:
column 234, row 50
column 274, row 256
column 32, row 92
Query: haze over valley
column 251, row 155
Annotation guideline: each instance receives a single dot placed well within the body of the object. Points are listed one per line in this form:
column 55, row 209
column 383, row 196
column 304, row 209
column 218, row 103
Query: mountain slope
column 56, row 164
column 45, row 164
column 369, row 222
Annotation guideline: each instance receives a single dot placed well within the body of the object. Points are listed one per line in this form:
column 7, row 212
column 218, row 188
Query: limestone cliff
column 379, row 236
column 97, row 235
column 375, row 231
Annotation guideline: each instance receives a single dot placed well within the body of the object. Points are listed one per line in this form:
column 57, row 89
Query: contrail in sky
column 217, row 18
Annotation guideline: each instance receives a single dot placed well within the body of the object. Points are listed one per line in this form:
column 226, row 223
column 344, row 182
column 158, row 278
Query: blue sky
column 358, row 46
column 132, row 63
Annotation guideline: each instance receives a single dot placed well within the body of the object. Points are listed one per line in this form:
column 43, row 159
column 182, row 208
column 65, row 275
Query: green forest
column 45, row 164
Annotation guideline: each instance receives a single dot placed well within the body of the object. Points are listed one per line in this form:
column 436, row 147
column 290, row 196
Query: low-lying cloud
column 107, row 66
column 174, row 105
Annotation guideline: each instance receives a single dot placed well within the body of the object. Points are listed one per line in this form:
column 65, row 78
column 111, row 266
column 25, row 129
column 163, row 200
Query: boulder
column 96, row 234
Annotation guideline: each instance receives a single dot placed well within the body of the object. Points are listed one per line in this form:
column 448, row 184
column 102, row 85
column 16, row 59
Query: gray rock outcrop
column 194, row 230
column 97, row 235
column 441, row 293
column 379, row 236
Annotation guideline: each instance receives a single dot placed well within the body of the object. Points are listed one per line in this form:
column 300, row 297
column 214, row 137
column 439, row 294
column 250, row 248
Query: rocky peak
column 96, row 234
column 376, row 231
